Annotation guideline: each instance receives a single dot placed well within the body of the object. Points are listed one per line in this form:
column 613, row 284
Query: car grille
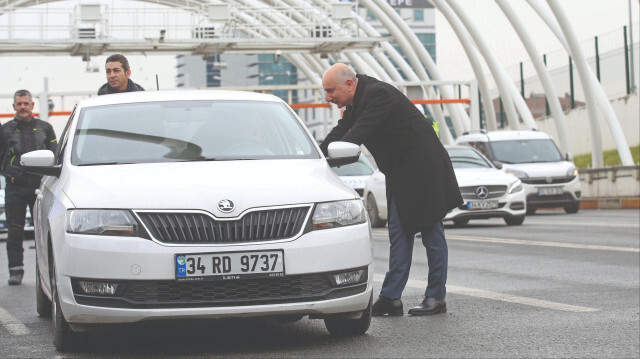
column 173, row 294
column 470, row 192
column 546, row 180
column 197, row 228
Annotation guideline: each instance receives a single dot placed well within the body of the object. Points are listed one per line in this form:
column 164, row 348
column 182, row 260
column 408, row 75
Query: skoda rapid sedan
column 196, row 204
column 487, row 191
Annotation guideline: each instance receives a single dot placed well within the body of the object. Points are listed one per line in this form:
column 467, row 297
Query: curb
column 610, row 203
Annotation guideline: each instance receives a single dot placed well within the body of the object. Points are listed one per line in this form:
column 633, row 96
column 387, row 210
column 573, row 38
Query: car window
column 360, row 168
column 187, row 131
column 526, row 151
column 467, row 158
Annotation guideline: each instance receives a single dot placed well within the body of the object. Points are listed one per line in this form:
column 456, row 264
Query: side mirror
column 40, row 162
column 568, row 157
column 497, row 163
column 342, row 153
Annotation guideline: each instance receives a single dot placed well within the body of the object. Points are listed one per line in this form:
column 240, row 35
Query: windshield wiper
column 105, row 163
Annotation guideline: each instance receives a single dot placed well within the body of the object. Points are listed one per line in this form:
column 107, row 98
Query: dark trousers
column 16, row 199
column 401, row 253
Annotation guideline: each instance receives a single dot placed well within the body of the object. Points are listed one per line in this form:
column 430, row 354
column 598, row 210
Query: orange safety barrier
column 59, row 113
column 294, row 105
column 429, row 102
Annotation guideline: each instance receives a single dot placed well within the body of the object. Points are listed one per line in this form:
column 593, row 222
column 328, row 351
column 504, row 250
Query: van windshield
column 526, row 151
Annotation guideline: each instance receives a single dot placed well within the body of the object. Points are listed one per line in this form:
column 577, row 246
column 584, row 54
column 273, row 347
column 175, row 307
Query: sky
column 589, row 18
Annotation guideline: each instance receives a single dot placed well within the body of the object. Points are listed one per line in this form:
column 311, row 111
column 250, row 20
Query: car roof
column 505, row 135
column 177, row 95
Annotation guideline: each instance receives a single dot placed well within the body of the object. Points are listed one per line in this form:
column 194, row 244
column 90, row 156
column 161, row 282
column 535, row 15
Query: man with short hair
column 420, row 181
column 24, row 133
column 118, row 72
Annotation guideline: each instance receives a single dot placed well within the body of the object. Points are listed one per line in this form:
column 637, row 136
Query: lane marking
column 499, row 296
column 585, row 224
column 541, row 243
column 12, row 324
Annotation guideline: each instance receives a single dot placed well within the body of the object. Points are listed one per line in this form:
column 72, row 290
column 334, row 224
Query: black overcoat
column 418, row 171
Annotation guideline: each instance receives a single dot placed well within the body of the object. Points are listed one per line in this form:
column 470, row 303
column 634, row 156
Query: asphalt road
column 557, row 286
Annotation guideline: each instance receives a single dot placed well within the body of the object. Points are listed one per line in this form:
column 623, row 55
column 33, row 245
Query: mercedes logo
column 226, row 206
column 482, row 192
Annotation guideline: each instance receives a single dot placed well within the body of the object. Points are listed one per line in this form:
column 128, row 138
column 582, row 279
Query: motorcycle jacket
column 22, row 137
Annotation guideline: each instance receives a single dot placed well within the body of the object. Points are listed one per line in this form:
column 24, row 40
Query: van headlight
column 515, row 187
column 338, row 214
column 104, row 222
column 572, row 172
column 516, row 173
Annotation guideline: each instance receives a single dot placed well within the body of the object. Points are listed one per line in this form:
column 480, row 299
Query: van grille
column 198, row 228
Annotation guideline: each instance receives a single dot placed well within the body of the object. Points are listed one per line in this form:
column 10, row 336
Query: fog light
column 352, row 277
column 100, row 288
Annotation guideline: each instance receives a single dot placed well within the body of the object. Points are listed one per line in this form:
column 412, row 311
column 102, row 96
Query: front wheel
column 573, row 208
column 514, row 220
column 372, row 210
column 43, row 303
column 64, row 338
column 461, row 222
column 350, row 327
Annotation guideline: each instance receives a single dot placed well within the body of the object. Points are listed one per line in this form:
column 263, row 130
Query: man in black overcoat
column 420, row 181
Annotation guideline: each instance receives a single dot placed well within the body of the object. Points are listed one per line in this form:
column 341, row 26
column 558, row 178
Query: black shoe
column 429, row 306
column 383, row 305
column 15, row 279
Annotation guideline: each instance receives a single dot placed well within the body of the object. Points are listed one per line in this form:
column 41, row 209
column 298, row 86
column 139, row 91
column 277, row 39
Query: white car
column 196, row 204
column 487, row 191
column 549, row 177
column 356, row 174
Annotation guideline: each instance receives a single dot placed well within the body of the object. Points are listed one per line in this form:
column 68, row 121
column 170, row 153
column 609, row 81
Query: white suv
column 549, row 178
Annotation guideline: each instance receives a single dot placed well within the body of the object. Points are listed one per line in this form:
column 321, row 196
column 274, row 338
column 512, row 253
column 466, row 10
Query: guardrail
column 611, row 187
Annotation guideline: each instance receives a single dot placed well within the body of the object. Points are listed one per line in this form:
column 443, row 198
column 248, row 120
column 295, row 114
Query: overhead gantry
column 312, row 34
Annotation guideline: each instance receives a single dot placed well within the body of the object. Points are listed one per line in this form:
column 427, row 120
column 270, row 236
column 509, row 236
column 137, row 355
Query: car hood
column 482, row 176
column 201, row 185
column 542, row 169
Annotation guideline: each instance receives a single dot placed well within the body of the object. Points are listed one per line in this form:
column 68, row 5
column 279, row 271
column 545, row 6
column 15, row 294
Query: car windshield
column 526, row 151
column 189, row 131
column 361, row 168
column 467, row 158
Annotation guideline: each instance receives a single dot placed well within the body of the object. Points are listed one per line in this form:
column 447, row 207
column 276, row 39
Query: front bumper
column 566, row 194
column 509, row 205
column 147, row 271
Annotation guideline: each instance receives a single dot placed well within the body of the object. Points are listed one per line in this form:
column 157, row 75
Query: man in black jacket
column 24, row 133
column 118, row 72
column 420, row 181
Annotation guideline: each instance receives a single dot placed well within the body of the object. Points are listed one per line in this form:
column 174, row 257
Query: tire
column 350, row 327
column 372, row 210
column 531, row 210
column 43, row 303
column 514, row 220
column 64, row 338
column 461, row 222
column 572, row 209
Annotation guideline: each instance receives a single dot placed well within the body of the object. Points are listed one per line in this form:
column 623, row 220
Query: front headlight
column 338, row 214
column 515, row 187
column 516, row 173
column 572, row 172
column 104, row 222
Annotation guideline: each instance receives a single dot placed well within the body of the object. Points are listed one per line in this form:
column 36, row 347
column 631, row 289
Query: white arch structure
column 283, row 25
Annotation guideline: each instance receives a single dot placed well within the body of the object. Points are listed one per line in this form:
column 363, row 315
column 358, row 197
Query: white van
column 550, row 178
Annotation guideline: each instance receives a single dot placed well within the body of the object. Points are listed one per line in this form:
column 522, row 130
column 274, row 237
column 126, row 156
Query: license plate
column 482, row 204
column 549, row 191
column 229, row 265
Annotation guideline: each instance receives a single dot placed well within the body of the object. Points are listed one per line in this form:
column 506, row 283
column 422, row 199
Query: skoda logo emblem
column 226, row 206
column 482, row 192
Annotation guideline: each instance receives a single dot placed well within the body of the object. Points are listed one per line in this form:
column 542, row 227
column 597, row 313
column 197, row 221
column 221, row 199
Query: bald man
column 421, row 185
